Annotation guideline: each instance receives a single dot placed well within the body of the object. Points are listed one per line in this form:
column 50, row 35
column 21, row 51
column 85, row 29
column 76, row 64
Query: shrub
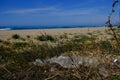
column 49, row 37
column 1, row 41
column 41, row 38
column 45, row 38
column 28, row 36
column 15, row 36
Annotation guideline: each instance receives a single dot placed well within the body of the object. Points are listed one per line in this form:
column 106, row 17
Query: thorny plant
column 111, row 26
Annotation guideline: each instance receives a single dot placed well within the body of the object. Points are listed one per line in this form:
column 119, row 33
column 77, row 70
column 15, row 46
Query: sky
column 54, row 12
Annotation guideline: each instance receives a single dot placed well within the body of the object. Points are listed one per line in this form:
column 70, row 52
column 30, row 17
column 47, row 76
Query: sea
column 41, row 27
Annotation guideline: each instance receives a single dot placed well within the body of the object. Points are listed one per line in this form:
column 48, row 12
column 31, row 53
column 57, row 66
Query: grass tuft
column 45, row 38
column 16, row 36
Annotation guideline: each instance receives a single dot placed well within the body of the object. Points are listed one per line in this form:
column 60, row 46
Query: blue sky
column 54, row 12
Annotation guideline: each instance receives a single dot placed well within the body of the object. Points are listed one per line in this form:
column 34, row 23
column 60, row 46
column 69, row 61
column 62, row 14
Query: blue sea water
column 40, row 27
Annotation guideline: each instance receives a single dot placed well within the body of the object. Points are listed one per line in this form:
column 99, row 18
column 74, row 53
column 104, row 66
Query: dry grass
column 16, row 57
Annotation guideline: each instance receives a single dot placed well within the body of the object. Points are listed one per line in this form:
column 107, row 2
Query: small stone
column 52, row 69
column 38, row 61
column 0, row 57
column 103, row 72
column 115, row 60
column 91, row 54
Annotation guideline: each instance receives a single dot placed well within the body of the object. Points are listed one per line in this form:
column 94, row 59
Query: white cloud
column 27, row 11
column 53, row 11
column 82, row 11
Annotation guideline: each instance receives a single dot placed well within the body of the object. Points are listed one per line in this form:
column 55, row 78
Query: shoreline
column 36, row 28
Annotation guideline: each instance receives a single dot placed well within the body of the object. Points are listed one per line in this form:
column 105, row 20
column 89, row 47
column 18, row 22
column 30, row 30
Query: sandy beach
column 5, row 34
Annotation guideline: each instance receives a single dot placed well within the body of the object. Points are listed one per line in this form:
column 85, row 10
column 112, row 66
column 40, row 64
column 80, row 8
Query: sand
column 6, row 34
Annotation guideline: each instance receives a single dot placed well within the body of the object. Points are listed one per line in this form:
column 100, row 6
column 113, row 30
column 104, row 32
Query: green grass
column 106, row 46
column 20, row 44
column 83, row 38
column 115, row 77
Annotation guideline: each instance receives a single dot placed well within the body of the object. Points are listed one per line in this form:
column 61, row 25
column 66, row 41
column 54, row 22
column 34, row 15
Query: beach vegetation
column 1, row 41
column 28, row 36
column 64, row 36
column 23, row 39
column 20, row 44
column 89, row 33
column 6, row 42
column 18, row 59
column 115, row 77
column 106, row 46
column 50, row 37
column 83, row 38
column 16, row 36
column 45, row 38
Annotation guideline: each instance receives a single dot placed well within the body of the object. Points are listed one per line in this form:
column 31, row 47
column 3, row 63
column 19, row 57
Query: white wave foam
column 5, row 29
